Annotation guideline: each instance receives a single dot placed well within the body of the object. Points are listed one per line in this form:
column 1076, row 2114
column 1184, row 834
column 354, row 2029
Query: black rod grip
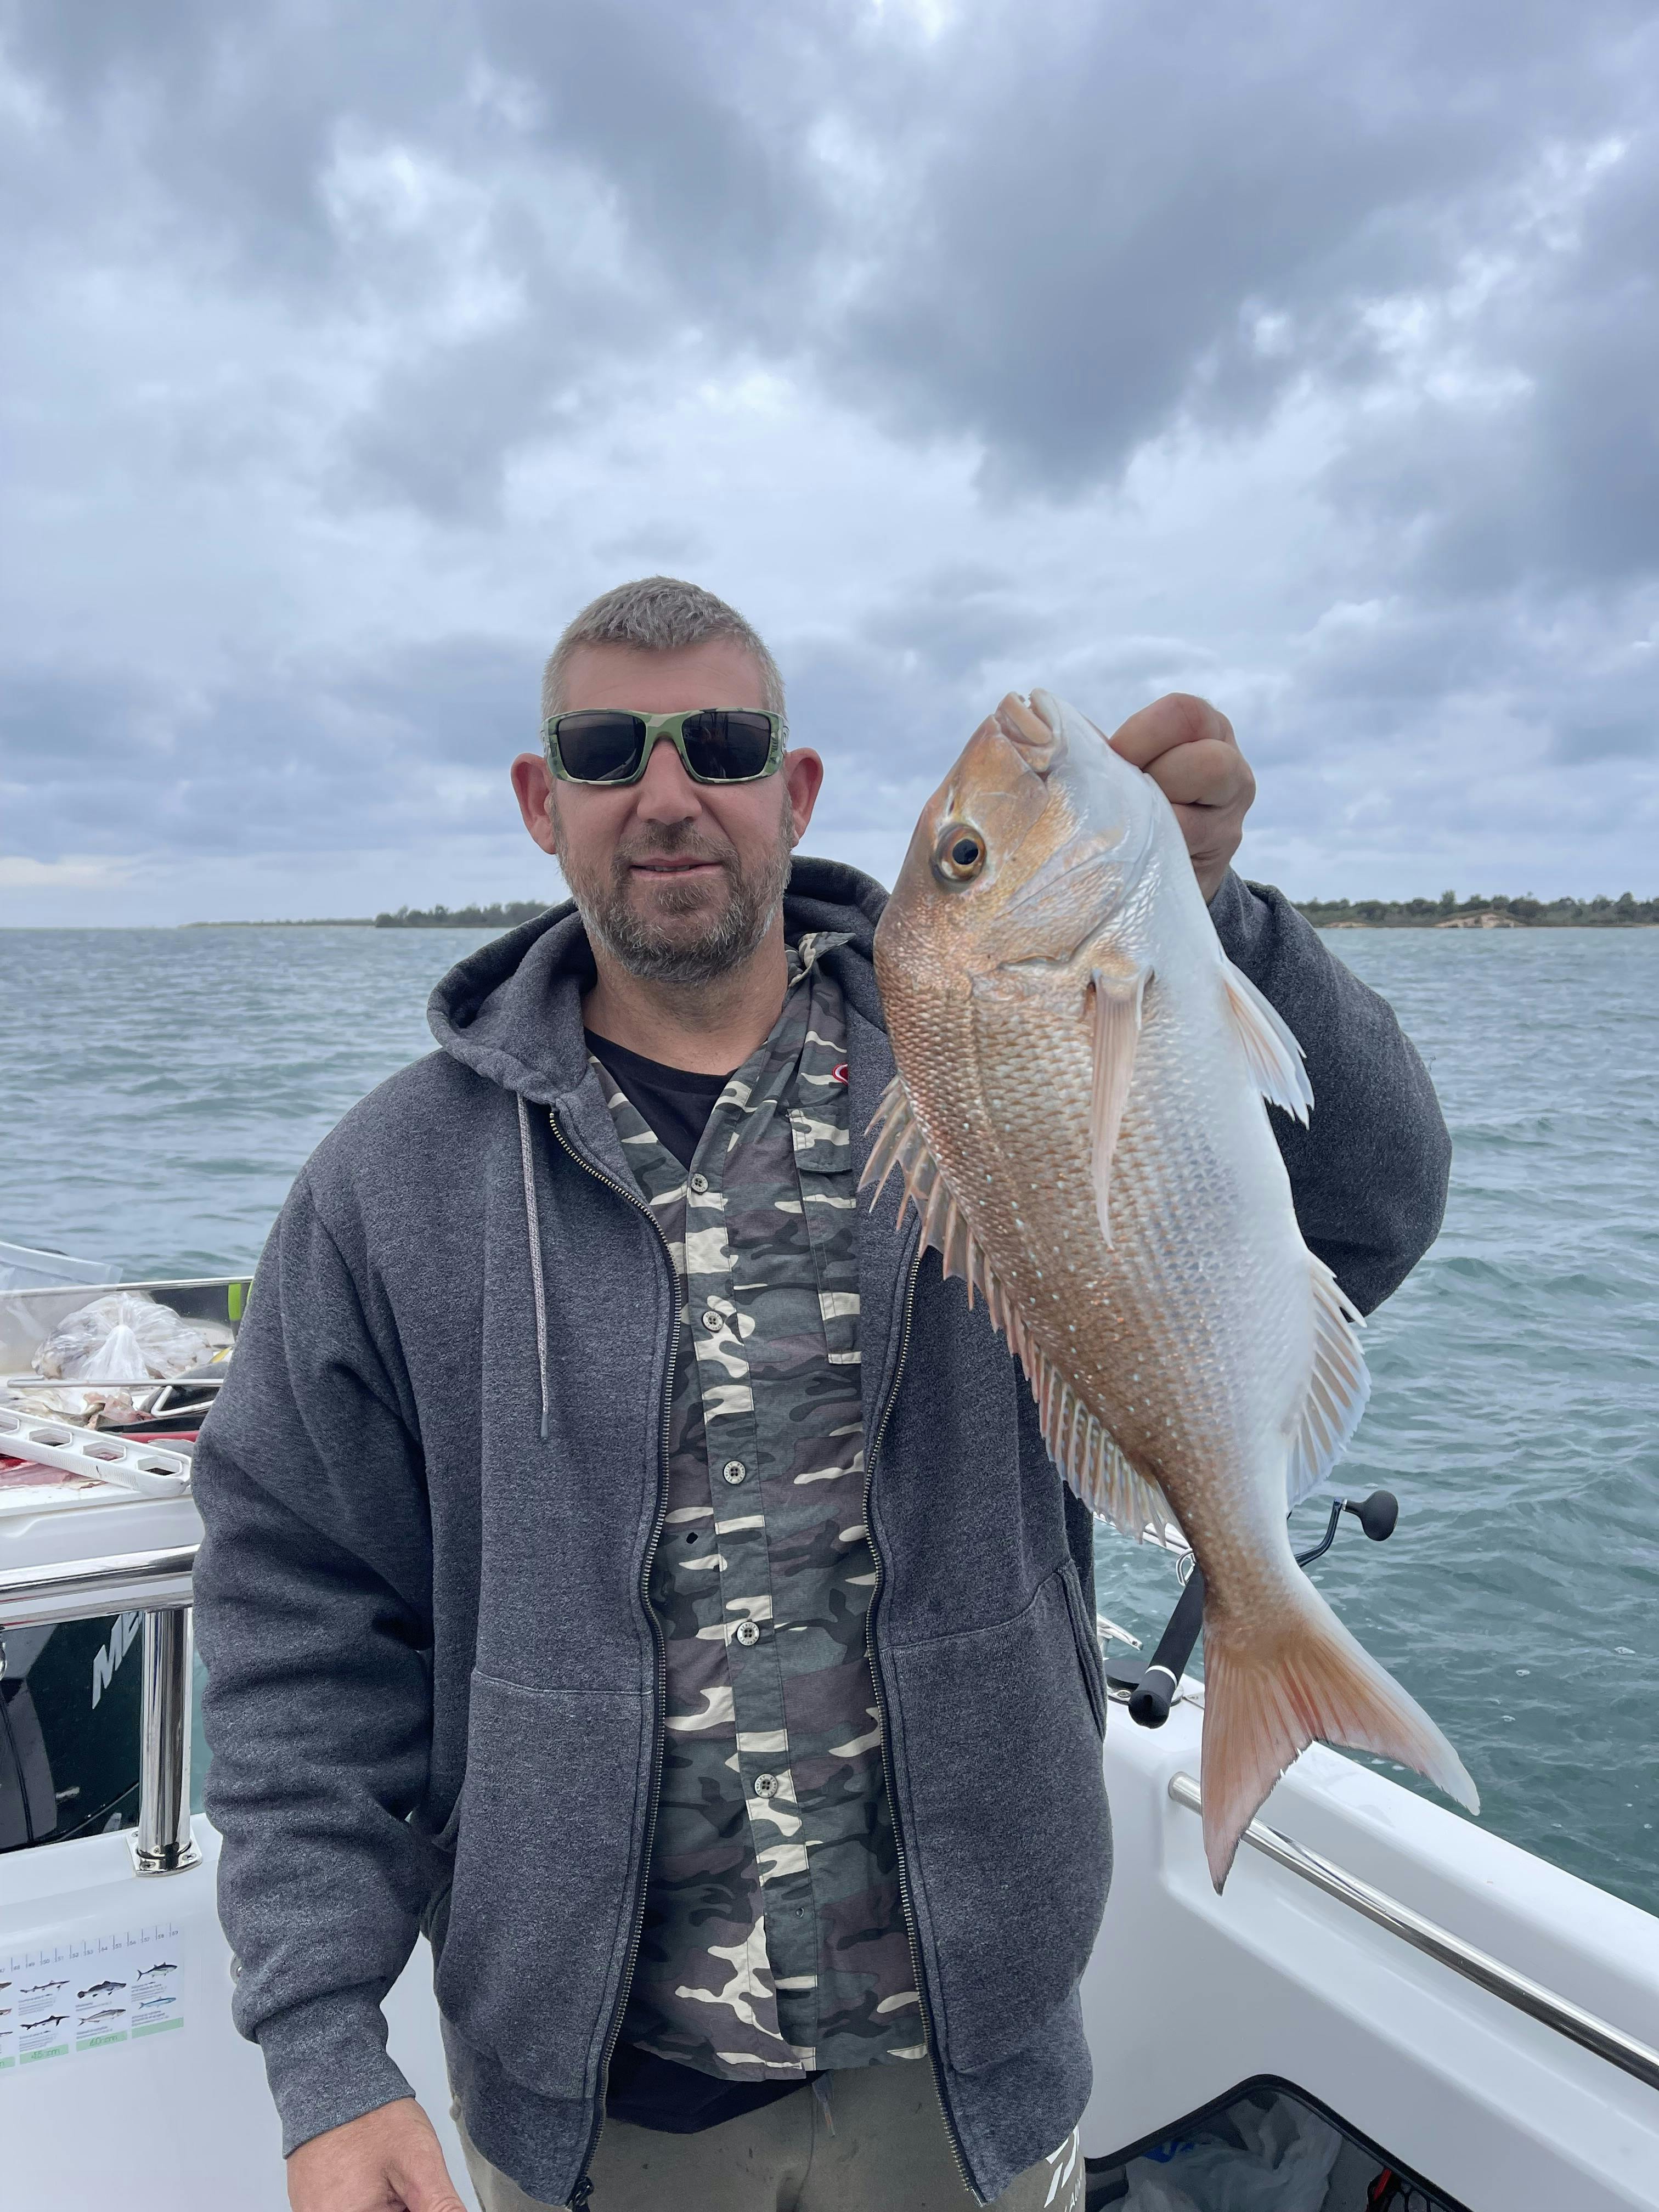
column 1376, row 1515
column 1155, row 1694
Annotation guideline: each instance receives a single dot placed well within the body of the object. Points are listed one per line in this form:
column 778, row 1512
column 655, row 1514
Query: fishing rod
column 1152, row 1684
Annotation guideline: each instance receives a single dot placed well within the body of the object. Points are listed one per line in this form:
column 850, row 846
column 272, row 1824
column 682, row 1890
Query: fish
column 51, row 2020
column 100, row 1989
column 1080, row 1118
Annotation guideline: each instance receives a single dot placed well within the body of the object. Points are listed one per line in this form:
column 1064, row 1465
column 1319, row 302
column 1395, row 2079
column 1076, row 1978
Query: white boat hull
column 1189, row 1994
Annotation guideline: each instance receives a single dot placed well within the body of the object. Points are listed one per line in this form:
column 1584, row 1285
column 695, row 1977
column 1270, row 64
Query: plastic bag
column 1281, row 2163
column 125, row 1338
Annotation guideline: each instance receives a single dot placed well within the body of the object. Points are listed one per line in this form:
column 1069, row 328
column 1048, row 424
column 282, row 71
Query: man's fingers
column 1188, row 748
column 388, row 2159
column 1206, row 774
column 420, row 2174
column 422, row 2181
column 1178, row 719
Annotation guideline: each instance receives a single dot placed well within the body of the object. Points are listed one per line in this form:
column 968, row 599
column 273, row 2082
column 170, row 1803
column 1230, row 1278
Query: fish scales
column 1078, row 1116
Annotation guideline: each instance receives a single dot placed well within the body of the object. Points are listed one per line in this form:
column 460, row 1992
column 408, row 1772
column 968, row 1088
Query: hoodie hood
column 512, row 1010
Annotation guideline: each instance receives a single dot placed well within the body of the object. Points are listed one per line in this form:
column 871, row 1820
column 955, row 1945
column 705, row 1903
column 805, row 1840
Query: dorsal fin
column 1274, row 1055
column 1079, row 1444
column 1084, row 1450
column 1337, row 1390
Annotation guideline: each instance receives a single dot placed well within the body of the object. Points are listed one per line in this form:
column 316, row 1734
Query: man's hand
column 1188, row 748
column 387, row 2161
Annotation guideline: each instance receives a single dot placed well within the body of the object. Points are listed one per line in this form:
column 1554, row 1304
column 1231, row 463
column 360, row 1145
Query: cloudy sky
column 1300, row 354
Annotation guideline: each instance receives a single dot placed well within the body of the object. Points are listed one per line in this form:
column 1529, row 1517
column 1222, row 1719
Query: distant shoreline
column 1448, row 912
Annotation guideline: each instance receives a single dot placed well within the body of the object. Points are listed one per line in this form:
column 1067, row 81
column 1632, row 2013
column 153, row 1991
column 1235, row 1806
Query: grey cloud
column 957, row 619
column 1074, row 231
column 315, row 753
column 492, row 237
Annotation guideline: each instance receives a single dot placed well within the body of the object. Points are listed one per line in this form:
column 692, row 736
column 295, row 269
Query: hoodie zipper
column 583, row 2188
column 951, row 2136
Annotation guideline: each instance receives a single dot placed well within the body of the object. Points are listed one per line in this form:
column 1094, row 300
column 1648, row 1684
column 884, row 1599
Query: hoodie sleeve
column 1369, row 1173
column 313, row 1605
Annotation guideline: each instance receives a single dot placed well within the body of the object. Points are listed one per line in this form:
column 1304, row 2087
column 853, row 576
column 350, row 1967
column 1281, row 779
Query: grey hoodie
column 431, row 1487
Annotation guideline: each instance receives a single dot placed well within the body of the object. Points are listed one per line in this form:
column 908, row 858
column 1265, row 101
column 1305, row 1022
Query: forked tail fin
column 1267, row 1696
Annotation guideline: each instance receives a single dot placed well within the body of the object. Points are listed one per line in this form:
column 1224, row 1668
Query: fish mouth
column 1037, row 728
column 1040, row 744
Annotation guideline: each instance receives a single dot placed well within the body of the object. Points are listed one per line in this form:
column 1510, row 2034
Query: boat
column 1389, row 2008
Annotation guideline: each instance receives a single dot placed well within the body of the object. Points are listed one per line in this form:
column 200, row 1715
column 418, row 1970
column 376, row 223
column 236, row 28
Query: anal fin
column 1337, row 1388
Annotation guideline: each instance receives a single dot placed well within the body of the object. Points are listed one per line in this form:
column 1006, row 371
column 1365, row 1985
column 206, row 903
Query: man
column 629, row 1561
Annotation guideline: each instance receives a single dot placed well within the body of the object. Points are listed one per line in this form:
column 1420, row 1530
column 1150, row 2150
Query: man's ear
column 532, row 787
column 803, row 776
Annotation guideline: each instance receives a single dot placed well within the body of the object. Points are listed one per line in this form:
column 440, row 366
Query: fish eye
column 959, row 854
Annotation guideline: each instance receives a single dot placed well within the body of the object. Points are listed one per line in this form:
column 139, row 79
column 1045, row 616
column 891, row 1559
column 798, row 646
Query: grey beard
column 656, row 956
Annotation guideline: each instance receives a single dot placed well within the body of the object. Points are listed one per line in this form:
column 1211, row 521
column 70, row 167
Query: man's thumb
column 423, row 2183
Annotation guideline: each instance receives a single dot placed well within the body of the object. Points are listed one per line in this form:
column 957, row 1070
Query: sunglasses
column 716, row 745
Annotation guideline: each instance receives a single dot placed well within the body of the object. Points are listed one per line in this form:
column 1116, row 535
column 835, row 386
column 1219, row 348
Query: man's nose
column 665, row 793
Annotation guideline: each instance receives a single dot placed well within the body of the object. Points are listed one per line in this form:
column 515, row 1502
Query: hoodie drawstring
column 533, row 1222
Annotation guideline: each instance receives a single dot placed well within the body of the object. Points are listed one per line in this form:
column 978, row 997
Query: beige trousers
column 881, row 2146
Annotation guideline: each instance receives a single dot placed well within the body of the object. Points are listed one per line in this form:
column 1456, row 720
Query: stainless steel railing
column 1438, row 1942
column 157, row 1583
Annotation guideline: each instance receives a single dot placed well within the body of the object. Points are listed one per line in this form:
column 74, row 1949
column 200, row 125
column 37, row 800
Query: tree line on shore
column 506, row 914
column 1626, row 911
column 1377, row 913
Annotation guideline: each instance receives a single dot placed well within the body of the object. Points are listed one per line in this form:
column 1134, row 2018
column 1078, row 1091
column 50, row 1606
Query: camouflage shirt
column 774, row 1940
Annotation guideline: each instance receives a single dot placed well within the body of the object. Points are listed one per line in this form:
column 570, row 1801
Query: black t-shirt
column 675, row 1101
column 642, row 2089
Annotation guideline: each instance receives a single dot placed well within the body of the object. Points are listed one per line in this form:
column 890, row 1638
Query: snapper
column 1079, row 1119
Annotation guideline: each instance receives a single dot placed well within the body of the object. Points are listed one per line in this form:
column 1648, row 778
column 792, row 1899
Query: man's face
column 680, row 881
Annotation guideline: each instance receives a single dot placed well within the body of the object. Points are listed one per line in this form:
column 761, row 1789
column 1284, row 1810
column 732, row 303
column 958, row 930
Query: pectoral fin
column 1116, row 1001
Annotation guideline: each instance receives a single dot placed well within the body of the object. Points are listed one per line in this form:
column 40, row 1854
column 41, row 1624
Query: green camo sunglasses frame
column 716, row 745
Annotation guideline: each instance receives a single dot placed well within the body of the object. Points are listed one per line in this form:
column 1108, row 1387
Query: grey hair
column 656, row 614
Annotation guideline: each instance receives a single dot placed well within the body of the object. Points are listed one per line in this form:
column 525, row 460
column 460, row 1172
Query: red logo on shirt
column 839, row 1074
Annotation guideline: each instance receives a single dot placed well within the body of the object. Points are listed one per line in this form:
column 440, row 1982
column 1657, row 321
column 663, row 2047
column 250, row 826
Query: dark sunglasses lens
column 600, row 747
column 726, row 744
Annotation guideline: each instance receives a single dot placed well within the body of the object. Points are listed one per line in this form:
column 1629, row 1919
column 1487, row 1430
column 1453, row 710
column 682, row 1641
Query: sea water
column 160, row 1088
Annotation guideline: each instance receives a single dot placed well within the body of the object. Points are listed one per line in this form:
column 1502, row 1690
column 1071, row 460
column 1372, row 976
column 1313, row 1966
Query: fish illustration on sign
column 161, row 1966
column 1079, row 1119
column 90, row 2019
column 39, row 1989
column 51, row 2020
column 100, row 1989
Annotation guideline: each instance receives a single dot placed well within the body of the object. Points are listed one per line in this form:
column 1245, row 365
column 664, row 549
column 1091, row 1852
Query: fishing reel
column 1150, row 1685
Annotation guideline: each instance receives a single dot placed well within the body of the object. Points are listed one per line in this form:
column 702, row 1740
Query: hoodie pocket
column 1008, row 1838
column 1088, row 1647
column 552, row 1816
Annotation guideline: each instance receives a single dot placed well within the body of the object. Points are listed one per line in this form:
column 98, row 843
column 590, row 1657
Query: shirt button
column 734, row 1470
column 746, row 1632
column 712, row 1321
column 766, row 1786
column 699, row 1184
